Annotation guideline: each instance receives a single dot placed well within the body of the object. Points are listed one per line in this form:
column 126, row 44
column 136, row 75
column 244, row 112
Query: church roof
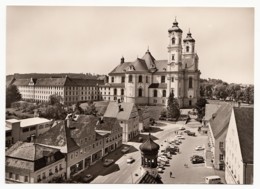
column 149, row 59
column 189, row 38
column 149, row 146
column 175, row 27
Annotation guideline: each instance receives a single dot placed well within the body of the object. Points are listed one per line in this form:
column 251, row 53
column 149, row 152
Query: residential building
column 218, row 126
column 25, row 129
column 83, row 146
column 72, row 90
column 240, row 147
column 128, row 117
column 147, row 81
column 32, row 163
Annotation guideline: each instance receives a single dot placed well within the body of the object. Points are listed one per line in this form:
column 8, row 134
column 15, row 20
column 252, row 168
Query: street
column 123, row 173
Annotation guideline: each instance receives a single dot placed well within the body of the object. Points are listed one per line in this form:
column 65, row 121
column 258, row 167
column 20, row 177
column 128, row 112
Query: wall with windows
column 236, row 171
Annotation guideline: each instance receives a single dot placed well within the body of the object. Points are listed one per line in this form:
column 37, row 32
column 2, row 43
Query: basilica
column 147, row 81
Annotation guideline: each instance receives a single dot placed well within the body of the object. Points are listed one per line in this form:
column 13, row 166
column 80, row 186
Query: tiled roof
column 210, row 110
column 21, row 152
column 149, row 179
column 21, row 82
column 119, row 85
column 149, row 59
column 113, row 110
column 121, row 68
column 58, row 135
column 158, row 85
column 220, row 123
column 245, row 127
column 161, row 65
column 107, row 124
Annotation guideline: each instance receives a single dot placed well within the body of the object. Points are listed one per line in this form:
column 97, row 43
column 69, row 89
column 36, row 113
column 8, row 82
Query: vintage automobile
column 108, row 162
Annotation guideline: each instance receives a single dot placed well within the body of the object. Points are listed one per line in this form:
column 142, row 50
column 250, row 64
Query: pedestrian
column 170, row 174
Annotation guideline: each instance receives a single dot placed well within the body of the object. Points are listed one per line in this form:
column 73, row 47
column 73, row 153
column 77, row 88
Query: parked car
column 163, row 158
column 181, row 128
column 182, row 137
column 130, row 160
column 215, row 179
column 195, row 156
column 187, row 131
column 125, row 149
column 197, row 160
column 87, row 178
column 191, row 133
column 198, row 148
column 108, row 162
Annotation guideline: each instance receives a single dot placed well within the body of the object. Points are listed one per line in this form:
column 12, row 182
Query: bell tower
column 149, row 155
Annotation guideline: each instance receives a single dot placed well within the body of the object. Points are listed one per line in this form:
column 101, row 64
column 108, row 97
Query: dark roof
column 188, row 38
column 220, row 123
column 149, row 146
column 107, row 124
column 175, row 27
column 158, row 85
column 161, row 65
column 244, row 117
column 149, row 179
column 118, row 85
column 149, row 60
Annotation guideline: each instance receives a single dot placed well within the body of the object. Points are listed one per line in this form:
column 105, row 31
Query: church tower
column 174, row 64
column 149, row 155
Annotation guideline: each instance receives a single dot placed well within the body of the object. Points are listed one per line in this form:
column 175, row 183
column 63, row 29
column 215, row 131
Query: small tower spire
column 148, row 48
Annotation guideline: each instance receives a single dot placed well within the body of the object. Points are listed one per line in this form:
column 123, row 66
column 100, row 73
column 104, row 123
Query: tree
column 78, row 109
column 91, row 109
column 163, row 113
column 12, row 95
column 55, row 99
column 200, row 107
column 173, row 108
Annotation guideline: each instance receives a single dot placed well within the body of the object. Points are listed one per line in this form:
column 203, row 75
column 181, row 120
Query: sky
column 56, row 39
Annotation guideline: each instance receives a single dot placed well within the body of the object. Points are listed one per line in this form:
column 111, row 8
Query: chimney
column 122, row 60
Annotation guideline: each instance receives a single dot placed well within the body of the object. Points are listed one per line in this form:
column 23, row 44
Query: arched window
column 140, row 79
column 173, row 40
column 122, row 79
column 190, row 82
column 122, row 91
column 164, row 93
column 115, row 91
column 155, row 93
column 187, row 48
column 140, row 92
column 130, row 79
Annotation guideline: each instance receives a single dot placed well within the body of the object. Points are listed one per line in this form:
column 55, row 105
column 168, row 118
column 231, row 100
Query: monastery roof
column 220, row 123
column 244, row 117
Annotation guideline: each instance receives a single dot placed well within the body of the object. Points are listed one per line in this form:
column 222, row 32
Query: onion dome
column 189, row 38
column 149, row 146
column 175, row 27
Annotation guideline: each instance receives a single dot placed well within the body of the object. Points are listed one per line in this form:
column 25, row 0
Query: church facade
column 147, row 81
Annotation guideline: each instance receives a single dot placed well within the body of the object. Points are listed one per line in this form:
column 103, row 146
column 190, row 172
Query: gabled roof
column 59, row 136
column 107, row 124
column 21, row 152
column 210, row 110
column 113, row 110
column 244, row 117
column 140, row 65
column 161, row 65
column 149, row 59
column 220, row 123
